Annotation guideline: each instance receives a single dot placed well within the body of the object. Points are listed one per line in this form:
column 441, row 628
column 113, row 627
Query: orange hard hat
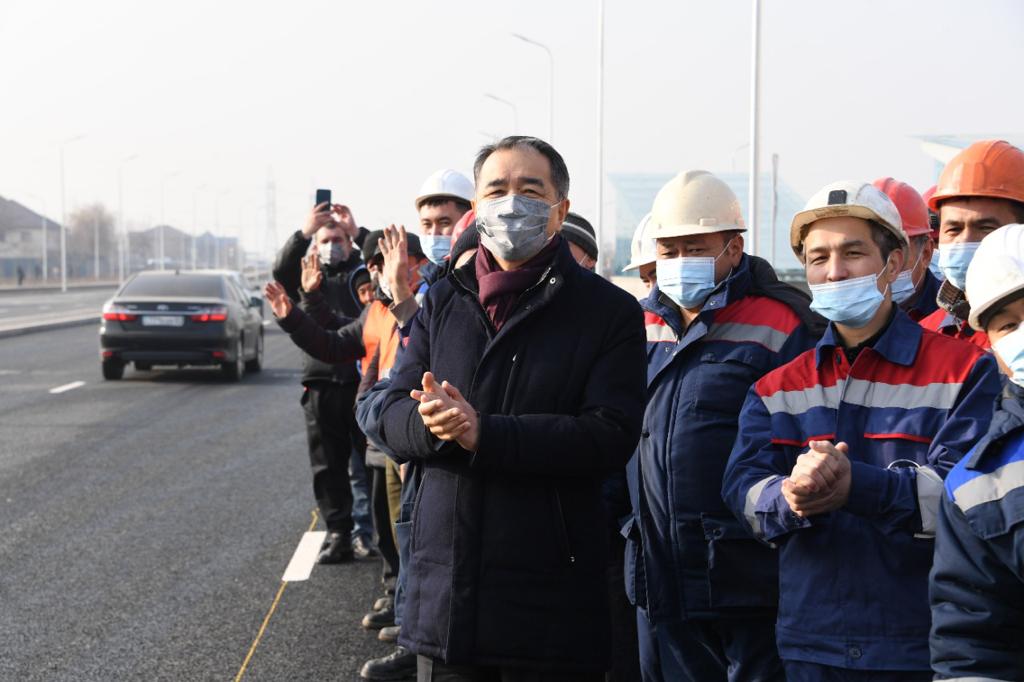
column 990, row 168
column 913, row 211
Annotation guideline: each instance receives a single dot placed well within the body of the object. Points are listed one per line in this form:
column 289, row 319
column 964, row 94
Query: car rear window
column 175, row 285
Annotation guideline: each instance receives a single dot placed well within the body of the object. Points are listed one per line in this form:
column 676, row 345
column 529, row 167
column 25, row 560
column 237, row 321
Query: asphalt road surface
column 147, row 524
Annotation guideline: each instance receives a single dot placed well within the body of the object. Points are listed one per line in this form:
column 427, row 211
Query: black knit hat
column 372, row 249
column 359, row 278
column 581, row 233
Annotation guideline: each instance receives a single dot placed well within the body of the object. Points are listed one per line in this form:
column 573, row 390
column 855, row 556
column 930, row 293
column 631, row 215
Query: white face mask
column 331, row 253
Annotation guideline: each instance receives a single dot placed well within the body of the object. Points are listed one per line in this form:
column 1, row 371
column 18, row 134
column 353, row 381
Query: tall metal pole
column 64, row 217
column 195, row 222
column 515, row 110
column 160, row 235
column 755, row 125
column 96, row 244
column 599, row 211
column 775, row 204
column 551, row 84
column 122, row 229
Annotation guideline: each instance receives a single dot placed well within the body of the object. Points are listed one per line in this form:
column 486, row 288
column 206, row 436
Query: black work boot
column 337, row 548
column 398, row 665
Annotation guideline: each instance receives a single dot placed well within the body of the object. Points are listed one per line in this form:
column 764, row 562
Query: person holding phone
column 330, row 390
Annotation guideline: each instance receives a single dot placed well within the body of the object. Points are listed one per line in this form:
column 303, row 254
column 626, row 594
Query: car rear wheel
column 234, row 369
column 256, row 363
column 112, row 369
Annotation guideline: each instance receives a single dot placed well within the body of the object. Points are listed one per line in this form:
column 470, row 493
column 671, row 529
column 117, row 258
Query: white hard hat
column 694, row 202
column 847, row 198
column 996, row 272
column 644, row 249
column 445, row 183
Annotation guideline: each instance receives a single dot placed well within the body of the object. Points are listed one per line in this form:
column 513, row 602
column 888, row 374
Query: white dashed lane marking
column 301, row 565
column 67, row 387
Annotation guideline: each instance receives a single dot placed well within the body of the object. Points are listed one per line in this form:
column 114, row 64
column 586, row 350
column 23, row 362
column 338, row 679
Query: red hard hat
column 912, row 209
column 467, row 220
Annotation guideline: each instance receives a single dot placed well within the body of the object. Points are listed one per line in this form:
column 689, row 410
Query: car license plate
column 162, row 320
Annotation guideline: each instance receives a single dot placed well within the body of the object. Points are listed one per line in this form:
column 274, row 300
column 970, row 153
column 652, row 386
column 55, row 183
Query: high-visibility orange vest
column 380, row 330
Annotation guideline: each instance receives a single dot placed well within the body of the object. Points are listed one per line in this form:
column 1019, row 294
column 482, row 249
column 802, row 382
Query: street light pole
column 195, row 221
column 122, row 231
column 64, row 217
column 755, row 125
column 160, row 236
column 515, row 110
column 551, row 84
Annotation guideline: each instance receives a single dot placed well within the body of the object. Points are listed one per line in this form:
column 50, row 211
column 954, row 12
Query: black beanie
column 581, row 233
column 467, row 241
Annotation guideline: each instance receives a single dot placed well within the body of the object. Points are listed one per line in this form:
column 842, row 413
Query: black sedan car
column 181, row 318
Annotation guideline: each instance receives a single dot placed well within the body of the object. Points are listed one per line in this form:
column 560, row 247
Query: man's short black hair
column 884, row 239
column 1017, row 209
column 559, row 172
column 461, row 204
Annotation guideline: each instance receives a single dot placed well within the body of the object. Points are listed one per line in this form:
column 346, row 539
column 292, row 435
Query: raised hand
column 312, row 275
column 342, row 215
column 317, row 218
column 395, row 247
column 278, row 299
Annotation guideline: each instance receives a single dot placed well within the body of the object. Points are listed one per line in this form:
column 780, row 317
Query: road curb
column 56, row 288
column 49, row 326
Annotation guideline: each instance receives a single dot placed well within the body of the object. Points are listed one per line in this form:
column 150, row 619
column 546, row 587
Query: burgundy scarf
column 500, row 289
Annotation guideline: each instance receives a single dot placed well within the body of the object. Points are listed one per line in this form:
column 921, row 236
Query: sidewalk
column 34, row 286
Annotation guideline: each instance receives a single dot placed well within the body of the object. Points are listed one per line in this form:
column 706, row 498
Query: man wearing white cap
column 977, row 590
column 705, row 590
column 841, row 453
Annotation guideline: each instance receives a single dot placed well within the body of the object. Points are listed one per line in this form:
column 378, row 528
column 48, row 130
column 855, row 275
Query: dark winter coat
column 509, row 546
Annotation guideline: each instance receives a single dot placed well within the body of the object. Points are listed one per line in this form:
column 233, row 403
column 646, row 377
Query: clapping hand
column 278, row 298
column 820, row 481
column 446, row 413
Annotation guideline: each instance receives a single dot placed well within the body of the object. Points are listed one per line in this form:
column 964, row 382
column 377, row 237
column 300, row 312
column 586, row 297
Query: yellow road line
column 266, row 619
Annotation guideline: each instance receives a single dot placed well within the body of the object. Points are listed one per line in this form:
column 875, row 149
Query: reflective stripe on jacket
column 686, row 555
column 977, row 587
column 853, row 583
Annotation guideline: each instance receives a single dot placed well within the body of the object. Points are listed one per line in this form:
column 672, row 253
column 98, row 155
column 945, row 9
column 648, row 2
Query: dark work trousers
column 800, row 671
column 733, row 650
column 383, row 537
column 432, row 670
column 625, row 653
column 332, row 432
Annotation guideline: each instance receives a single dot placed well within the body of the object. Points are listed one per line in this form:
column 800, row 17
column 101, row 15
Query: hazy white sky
column 369, row 98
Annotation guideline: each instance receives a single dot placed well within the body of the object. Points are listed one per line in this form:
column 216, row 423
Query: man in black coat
column 330, row 390
column 521, row 388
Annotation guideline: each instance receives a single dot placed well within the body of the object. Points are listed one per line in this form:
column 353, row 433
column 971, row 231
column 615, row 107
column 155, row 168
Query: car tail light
column 216, row 314
column 219, row 355
column 107, row 354
column 117, row 313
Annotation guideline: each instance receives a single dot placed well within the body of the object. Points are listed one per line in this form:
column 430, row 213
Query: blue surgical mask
column 850, row 302
column 513, row 227
column 1010, row 350
column 954, row 259
column 903, row 288
column 436, row 246
column 935, row 269
column 688, row 280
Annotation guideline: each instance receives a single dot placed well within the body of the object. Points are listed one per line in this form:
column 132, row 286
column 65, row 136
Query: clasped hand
column 820, row 481
column 446, row 413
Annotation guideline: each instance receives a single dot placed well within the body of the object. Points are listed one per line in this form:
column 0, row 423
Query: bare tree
column 92, row 241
